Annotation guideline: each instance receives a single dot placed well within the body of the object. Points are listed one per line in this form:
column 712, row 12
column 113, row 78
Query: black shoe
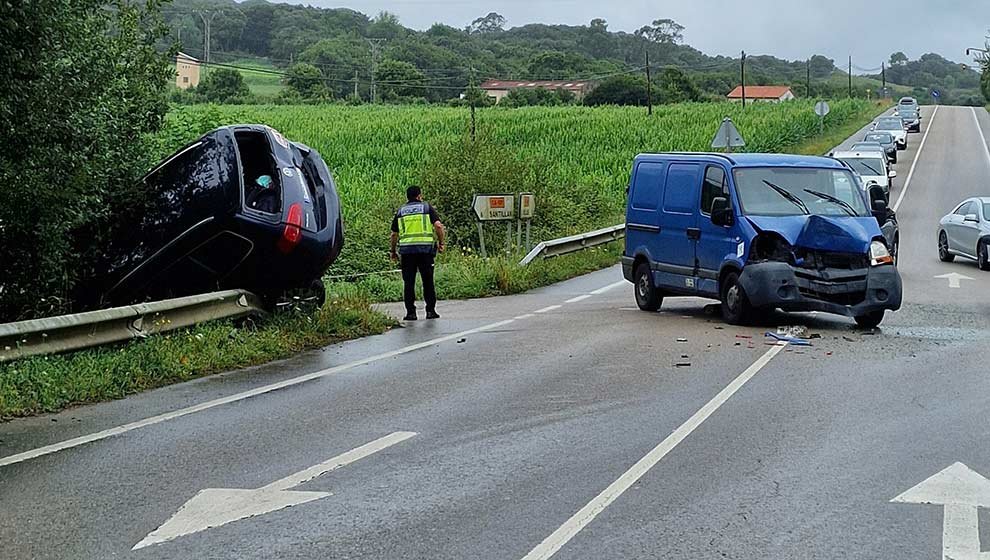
column 432, row 315
column 409, row 317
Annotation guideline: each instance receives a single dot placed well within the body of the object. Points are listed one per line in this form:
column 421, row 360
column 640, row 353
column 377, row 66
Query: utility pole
column 376, row 45
column 850, row 76
column 472, row 100
column 883, row 78
column 355, row 83
column 807, row 82
column 742, row 77
column 207, row 16
column 649, row 86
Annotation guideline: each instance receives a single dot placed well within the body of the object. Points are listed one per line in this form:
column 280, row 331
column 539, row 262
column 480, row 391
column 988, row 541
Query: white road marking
column 104, row 434
column 116, row 431
column 954, row 278
column 983, row 139
column 213, row 507
column 604, row 289
column 917, row 156
column 579, row 298
column 961, row 491
column 587, row 514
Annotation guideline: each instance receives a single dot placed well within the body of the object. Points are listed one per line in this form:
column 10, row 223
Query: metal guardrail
column 93, row 328
column 574, row 243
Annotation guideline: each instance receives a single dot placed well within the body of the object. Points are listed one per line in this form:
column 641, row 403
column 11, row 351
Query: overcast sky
column 869, row 30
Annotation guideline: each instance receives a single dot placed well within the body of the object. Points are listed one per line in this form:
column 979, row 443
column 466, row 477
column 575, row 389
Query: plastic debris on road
column 788, row 339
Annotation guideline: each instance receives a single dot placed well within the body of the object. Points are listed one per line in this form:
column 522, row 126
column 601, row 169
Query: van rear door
column 679, row 231
column 642, row 220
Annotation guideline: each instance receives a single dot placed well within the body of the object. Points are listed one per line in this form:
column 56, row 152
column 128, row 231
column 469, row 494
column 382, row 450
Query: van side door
column 717, row 243
column 679, row 232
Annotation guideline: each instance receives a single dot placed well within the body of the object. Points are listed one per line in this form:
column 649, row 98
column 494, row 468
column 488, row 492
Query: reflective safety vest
column 415, row 230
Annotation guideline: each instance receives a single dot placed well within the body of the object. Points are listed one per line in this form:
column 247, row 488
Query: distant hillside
column 437, row 64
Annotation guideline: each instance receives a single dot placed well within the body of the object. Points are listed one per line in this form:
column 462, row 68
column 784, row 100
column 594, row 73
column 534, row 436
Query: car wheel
column 736, row 308
column 943, row 248
column 894, row 160
column 870, row 320
column 983, row 259
column 648, row 298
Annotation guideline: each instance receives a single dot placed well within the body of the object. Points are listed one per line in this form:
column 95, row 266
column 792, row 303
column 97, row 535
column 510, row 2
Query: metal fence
column 574, row 243
column 93, row 328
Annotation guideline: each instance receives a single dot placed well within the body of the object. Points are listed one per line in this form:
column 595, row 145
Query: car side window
column 965, row 208
column 714, row 186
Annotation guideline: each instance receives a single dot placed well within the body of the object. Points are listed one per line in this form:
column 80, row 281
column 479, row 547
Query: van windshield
column 779, row 191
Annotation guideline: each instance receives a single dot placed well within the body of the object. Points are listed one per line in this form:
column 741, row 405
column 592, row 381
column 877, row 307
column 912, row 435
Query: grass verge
column 51, row 383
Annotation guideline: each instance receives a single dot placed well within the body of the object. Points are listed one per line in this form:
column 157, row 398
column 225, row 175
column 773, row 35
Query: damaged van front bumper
column 850, row 292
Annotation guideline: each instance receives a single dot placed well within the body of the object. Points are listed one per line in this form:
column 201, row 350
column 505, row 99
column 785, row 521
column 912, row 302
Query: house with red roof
column 772, row 94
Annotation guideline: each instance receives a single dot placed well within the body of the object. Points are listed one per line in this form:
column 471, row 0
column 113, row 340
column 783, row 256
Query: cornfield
column 374, row 152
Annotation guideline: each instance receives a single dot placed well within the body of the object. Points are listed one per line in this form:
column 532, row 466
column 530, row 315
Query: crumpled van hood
column 842, row 234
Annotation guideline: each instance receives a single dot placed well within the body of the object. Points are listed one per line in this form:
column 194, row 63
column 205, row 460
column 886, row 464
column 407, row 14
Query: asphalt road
column 560, row 423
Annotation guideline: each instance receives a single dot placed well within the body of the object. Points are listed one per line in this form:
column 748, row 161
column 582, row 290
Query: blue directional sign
column 936, row 94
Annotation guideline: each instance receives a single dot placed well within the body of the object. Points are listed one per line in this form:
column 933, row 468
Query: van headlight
column 879, row 254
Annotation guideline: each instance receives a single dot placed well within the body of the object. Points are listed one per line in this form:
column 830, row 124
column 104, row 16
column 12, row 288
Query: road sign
column 822, row 108
column 954, row 278
column 527, row 206
column 213, row 507
column 728, row 136
column 936, row 94
column 961, row 492
column 494, row 207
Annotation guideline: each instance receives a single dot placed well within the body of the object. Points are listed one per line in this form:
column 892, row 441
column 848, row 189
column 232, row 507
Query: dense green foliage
column 81, row 88
column 576, row 158
column 438, row 63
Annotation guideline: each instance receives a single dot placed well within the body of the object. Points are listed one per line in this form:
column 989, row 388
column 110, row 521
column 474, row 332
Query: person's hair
column 413, row 192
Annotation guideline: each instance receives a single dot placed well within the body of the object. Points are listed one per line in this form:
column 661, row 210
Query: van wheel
column 983, row 259
column 648, row 298
column 870, row 320
column 943, row 248
column 736, row 308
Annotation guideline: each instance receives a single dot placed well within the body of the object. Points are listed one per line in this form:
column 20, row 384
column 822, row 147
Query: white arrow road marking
column 214, row 507
column 961, row 491
column 954, row 278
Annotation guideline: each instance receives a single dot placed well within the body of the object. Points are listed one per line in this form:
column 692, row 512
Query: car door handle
column 694, row 233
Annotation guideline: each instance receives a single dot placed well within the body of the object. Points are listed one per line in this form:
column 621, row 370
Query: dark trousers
column 422, row 263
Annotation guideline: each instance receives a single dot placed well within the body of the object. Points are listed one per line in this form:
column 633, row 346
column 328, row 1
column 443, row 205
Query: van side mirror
column 722, row 212
column 878, row 199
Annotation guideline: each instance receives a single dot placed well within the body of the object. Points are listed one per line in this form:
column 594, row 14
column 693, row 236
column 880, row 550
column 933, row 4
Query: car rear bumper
column 844, row 292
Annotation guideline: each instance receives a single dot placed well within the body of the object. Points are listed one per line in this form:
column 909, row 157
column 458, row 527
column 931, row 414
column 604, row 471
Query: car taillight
column 293, row 229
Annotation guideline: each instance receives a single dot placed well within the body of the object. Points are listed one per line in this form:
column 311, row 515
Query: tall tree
column 492, row 23
column 898, row 58
column 81, row 88
column 664, row 31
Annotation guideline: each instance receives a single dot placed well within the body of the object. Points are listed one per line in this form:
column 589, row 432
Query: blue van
column 758, row 232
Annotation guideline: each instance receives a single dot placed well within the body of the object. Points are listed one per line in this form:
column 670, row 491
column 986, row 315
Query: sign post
column 728, row 137
column 936, row 94
column 494, row 208
column 527, row 209
column 821, row 109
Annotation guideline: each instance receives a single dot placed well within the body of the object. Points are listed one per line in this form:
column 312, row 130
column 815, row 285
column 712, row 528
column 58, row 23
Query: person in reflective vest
column 417, row 235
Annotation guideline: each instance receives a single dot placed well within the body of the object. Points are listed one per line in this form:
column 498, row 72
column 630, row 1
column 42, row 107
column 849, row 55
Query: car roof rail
column 714, row 154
